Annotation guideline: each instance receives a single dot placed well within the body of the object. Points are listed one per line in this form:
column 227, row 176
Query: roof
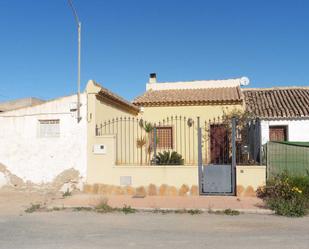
column 189, row 96
column 104, row 92
column 195, row 84
column 282, row 102
column 19, row 103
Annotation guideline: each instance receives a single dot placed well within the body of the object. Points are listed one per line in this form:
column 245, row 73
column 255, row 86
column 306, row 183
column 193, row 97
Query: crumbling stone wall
column 68, row 180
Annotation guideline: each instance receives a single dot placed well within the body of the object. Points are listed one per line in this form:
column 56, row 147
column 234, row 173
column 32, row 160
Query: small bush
column 168, row 158
column 286, row 195
column 33, row 208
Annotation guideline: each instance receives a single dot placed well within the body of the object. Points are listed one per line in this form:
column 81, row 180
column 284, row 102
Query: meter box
column 99, row 149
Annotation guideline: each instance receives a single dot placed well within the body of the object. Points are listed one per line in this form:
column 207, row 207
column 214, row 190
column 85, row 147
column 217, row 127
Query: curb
column 242, row 211
column 204, row 210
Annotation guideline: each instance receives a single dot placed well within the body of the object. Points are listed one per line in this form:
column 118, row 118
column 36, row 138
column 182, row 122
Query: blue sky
column 123, row 41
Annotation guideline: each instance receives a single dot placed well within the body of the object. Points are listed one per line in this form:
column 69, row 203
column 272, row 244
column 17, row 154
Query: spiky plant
column 148, row 127
column 168, row 158
column 140, row 143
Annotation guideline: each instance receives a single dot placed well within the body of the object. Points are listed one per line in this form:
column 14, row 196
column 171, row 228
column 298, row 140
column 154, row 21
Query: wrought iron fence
column 139, row 141
column 136, row 142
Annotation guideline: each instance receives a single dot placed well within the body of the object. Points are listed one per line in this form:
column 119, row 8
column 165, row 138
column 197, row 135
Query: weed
column 228, row 211
column 194, row 211
column 103, row 207
column 162, row 211
column 67, row 193
column 77, row 209
column 33, row 208
column 128, row 210
column 180, row 211
column 231, row 212
column 188, row 211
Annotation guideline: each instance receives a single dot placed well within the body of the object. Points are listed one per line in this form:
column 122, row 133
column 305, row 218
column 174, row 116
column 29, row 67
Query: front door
column 219, row 144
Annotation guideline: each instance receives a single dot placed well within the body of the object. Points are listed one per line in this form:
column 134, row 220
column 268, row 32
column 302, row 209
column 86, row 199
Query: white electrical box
column 99, row 149
column 125, row 180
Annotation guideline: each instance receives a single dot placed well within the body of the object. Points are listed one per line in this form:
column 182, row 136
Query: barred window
column 164, row 137
column 49, row 128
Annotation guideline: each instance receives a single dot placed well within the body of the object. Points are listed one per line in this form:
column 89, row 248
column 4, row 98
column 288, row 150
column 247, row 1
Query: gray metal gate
column 218, row 179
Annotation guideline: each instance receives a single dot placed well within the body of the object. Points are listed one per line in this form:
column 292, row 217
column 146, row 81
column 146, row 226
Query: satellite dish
column 244, row 81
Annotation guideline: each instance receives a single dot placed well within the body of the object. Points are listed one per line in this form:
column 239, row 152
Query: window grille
column 49, row 128
column 164, row 137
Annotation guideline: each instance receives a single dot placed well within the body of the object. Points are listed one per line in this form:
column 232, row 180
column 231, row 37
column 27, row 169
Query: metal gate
column 223, row 144
column 218, row 177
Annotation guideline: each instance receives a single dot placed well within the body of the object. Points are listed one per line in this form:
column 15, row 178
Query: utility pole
column 79, row 27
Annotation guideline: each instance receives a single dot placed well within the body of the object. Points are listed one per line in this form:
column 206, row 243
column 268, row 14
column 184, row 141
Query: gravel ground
column 68, row 229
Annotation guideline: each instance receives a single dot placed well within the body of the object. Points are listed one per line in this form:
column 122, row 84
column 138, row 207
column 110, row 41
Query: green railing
column 287, row 156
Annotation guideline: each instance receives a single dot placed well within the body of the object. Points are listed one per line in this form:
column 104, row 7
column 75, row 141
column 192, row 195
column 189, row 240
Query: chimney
column 153, row 78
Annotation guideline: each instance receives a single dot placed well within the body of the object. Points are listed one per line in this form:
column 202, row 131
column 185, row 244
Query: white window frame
column 48, row 128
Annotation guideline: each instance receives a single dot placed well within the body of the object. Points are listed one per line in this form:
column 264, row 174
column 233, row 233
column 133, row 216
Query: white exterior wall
column 40, row 160
column 298, row 130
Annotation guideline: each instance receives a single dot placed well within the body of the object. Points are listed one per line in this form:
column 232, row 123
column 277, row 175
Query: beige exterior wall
column 115, row 178
column 184, row 137
column 249, row 178
column 205, row 112
column 105, row 171
column 99, row 110
column 104, row 177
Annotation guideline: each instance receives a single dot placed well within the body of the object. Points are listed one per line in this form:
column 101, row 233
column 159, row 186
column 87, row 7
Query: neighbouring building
column 19, row 103
column 42, row 141
column 283, row 111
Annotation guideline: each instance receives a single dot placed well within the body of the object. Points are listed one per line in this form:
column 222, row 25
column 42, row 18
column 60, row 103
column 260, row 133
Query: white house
column 41, row 141
column 284, row 112
column 44, row 141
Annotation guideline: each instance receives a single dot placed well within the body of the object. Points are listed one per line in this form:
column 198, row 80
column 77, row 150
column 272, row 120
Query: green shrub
column 33, row 208
column 168, row 158
column 286, row 195
column 293, row 208
column 303, row 184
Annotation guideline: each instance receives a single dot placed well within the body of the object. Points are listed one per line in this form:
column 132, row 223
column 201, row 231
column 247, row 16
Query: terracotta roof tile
column 285, row 102
column 110, row 95
column 189, row 96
